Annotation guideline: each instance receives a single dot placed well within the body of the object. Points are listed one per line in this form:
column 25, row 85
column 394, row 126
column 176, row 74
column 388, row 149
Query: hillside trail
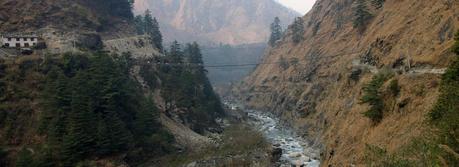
column 413, row 70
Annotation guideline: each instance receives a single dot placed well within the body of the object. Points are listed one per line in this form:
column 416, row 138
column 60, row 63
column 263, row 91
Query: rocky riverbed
column 293, row 149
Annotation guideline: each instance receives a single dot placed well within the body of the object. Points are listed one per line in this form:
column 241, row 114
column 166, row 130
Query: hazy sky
column 301, row 6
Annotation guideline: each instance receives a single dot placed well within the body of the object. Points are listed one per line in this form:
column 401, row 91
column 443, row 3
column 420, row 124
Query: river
column 295, row 150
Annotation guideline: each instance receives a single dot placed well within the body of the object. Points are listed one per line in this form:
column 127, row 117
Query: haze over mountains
column 231, row 22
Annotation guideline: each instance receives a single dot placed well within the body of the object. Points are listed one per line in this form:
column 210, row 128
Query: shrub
column 394, row 88
column 379, row 157
column 3, row 157
column 456, row 45
column 378, row 3
column 361, row 15
column 298, row 30
column 445, row 113
column 283, row 63
column 24, row 158
column 372, row 96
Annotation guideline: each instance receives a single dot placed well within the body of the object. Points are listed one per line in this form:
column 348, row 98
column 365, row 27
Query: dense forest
column 185, row 86
column 89, row 108
column 148, row 25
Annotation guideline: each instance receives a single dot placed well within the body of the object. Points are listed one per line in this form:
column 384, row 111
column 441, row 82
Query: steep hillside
column 320, row 84
column 216, row 21
column 91, row 98
column 92, row 108
column 80, row 15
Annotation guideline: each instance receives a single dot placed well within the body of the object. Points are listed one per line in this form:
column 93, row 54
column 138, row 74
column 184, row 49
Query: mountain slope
column 216, row 21
column 87, row 99
column 316, row 85
column 30, row 15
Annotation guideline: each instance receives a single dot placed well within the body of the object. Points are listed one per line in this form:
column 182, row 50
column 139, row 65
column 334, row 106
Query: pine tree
column 139, row 24
column 193, row 54
column 122, row 8
column 276, row 31
column 146, row 119
column 298, row 30
column 152, row 30
column 79, row 140
column 156, row 35
column 175, row 53
column 361, row 15
column 45, row 158
column 103, row 140
column 120, row 137
column 372, row 95
column 56, row 102
column 24, row 159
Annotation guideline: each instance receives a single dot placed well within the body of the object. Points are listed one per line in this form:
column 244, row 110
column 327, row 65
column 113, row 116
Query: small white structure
column 18, row 41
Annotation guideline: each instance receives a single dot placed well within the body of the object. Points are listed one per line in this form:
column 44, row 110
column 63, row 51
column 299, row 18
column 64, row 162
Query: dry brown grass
column 239, row 146
column 409, row 29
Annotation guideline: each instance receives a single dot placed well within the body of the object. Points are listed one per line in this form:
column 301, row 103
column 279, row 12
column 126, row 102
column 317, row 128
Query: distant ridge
column 216, row 21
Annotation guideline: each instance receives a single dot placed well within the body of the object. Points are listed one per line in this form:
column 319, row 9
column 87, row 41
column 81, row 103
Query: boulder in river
column 295, row 155
column 276, row 154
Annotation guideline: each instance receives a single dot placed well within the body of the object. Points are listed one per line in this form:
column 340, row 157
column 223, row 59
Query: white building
column 18, row 41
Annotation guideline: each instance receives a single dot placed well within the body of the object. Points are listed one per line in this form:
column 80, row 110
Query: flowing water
column 294, row 150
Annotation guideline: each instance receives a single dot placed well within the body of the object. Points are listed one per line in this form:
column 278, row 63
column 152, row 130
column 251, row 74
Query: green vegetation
column 298, row 30
column 394, row 88
column 456, row 44
column 283, row 63
column 236, row 140
column 445, row 113
column 361, row 15
column 93, row 108
column 438, row 146
column 80, row 106
column 419, row 152
column 148, row 25
column 24, row 158
column 378, row 3
column 276, row 32
column 187, row 86
column 379, row 157
column 117, row 8
column 373, row 95
column 139, row 24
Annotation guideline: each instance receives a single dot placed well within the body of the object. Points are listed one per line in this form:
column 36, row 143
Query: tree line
column 92, row 108
column 117, row 8
column 148, row 25
column 186, row 86
column 297, row 29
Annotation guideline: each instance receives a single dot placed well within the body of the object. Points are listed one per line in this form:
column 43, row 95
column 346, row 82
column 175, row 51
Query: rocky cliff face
column 316, row 85
column 216, row 21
